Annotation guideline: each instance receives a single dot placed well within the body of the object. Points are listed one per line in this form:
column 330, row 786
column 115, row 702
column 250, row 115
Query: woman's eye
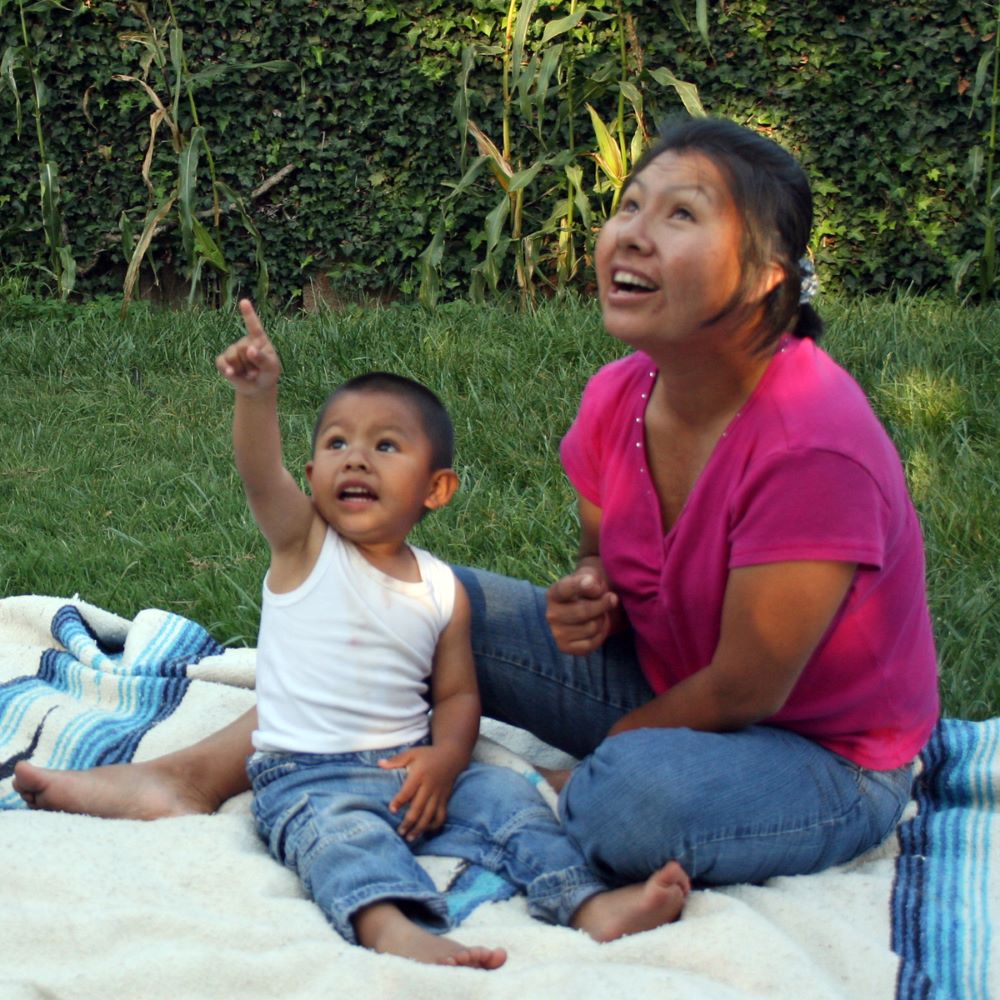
column 681, row 213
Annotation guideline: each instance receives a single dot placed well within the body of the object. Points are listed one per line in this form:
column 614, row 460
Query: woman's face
column 668, row 263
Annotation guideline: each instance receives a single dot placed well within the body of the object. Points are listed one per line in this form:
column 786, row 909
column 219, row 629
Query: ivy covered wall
column 330, row 129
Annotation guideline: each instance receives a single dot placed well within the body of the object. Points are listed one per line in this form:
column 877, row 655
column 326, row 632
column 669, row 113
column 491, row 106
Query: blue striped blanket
column 80, row 686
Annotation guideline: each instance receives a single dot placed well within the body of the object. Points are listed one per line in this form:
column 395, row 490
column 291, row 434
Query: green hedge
column 873, row 98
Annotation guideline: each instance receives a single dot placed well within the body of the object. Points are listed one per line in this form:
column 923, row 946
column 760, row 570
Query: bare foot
column 556, row 778
column 384, row 928
column 119, row 791
column 634, row 908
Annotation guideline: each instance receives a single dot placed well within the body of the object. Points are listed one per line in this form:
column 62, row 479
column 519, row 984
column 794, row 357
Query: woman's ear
column 444, row 483
column 772, row 275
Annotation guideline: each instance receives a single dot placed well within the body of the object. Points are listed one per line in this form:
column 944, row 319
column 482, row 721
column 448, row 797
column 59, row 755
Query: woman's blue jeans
column 729, row 807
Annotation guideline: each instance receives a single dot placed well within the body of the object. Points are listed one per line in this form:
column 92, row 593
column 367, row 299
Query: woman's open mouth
column 631, row 283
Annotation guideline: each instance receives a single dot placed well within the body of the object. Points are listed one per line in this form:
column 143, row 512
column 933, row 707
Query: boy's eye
column 386, row 445
column 336, row 443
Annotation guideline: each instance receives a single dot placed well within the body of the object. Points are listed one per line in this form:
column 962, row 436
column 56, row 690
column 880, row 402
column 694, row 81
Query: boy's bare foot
column 634, row 908
column 384, row 928
column 117, row 791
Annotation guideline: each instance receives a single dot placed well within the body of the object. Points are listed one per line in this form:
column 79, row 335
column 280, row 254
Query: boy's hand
column 250, row 364
column 431, row 773
column 581, row 610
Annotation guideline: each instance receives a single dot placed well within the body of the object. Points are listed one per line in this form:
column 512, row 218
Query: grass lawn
column 117, row 481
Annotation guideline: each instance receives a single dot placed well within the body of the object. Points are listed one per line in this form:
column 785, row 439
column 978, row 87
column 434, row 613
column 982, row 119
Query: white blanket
column 194, row 907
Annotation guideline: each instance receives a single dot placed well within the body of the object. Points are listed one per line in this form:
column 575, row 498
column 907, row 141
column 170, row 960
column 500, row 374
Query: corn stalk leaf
column 175, row 134
column 51, row 218
column 468, row 177
column 502, row 170
column 153, row 218
column 494, row 224
column 461, row 103
column 687, row 92
column 67, row 271
column 980, row 78
column 207, row 249
column 549, row 65
column 524, row 177
column 263, row 274
column 147, row 161
column 636, row 148
column 430, row 268
column 524, row 16
column 9, row 63
column 149, row 41
column 608, row 156
column 574, row 173
column 187, row 180
column 701, row 19
column 42, row 5
column 177, row 61
column 562, row 24
column 210, row 73
column 128, row 235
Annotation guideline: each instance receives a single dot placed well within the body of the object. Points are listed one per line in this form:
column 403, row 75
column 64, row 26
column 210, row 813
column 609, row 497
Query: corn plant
column 18, row 61
column 982, row 163
column 164, row 49
column 550, row 248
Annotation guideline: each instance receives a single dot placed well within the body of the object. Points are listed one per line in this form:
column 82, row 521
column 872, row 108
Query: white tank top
column 344, row 659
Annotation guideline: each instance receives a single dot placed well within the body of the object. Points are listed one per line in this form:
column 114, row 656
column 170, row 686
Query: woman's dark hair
column 434, row 419
column 771, row 193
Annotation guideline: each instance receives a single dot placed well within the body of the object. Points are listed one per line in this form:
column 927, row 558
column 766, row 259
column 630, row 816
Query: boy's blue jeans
column 729, row 807
column 326, row 817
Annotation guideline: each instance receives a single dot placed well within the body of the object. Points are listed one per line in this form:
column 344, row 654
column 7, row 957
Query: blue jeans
column 326, row 817
column 729, row 807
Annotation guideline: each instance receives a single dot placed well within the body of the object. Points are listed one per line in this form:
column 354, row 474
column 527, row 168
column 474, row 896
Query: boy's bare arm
column 432, row 770
column 251, row 365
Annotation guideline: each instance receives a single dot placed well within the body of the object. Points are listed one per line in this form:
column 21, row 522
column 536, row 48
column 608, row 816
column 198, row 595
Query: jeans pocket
column 265, row 768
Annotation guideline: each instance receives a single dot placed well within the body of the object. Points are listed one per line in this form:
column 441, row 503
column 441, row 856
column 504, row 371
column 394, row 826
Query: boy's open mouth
column 357, row 494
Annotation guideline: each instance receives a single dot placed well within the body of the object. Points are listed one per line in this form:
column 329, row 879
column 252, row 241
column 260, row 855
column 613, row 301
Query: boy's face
column 370, row 474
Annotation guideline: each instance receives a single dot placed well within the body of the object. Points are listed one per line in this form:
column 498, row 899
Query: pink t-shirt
column 804, row 471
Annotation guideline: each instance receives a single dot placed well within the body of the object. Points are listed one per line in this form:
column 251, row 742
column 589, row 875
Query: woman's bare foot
column 149, row 790
column 384, row 928
column 634, row 908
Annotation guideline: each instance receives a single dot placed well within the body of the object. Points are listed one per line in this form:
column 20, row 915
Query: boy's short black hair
column 434, row 419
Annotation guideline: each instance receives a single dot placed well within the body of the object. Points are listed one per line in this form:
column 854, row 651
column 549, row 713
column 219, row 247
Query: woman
column 743, row 656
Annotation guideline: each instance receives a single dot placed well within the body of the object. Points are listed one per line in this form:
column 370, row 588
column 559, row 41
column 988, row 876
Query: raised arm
column 251, row 366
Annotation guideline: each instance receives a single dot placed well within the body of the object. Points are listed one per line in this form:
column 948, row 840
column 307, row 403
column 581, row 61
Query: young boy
column 351, row 775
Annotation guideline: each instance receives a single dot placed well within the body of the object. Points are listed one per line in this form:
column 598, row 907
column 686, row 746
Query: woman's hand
column 581, row 609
